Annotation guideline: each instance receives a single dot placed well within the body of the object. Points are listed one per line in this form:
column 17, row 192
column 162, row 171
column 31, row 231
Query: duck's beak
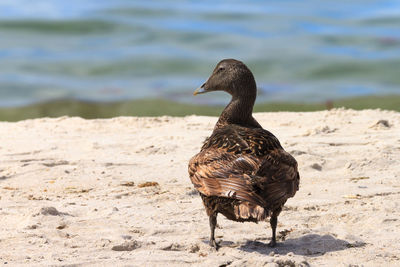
column 200, row 90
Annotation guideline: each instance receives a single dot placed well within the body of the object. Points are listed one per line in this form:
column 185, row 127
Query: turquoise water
column 102, row 50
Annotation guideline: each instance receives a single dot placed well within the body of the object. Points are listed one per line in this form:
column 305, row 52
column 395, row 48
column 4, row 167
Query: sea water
column 101, row 50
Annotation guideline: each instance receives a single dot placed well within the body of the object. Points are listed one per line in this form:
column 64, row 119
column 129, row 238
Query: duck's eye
column 221, row 68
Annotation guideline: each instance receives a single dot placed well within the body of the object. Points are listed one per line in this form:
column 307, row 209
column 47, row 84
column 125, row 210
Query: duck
column 242, row 170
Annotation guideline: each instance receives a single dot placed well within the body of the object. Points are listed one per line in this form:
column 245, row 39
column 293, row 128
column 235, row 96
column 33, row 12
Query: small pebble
column 194, row 248
column 49, row 211
column 31, row 227
column 61, row 226
column 127, row 246
column 384, row 123
column 316, row 166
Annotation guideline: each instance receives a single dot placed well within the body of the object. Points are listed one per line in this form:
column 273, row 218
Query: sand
column 116, row 192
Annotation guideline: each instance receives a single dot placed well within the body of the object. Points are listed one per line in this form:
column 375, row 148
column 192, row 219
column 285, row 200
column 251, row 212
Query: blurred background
column 101, row 58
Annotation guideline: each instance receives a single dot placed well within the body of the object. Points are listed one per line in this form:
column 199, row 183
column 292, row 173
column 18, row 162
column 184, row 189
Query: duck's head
column 231, row 76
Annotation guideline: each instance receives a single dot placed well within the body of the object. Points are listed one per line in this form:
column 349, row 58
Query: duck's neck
column 239, row 111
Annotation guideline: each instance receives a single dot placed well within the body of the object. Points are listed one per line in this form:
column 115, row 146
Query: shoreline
column 160, row 107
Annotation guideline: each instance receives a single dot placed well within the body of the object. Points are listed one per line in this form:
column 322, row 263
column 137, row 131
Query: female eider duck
column 242, row 171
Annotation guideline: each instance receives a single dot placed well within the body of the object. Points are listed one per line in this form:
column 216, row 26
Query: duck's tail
column 247, row 211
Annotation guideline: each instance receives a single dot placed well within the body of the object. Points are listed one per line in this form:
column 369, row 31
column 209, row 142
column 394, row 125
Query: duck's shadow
column 309, row 245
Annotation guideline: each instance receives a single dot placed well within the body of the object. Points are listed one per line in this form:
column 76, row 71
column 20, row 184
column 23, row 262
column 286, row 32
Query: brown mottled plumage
column 242, row 171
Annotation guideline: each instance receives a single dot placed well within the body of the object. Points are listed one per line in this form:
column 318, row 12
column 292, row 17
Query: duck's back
column 244, row 172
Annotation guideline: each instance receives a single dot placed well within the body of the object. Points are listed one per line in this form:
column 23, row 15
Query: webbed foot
column 214, row 244
column 272, row 243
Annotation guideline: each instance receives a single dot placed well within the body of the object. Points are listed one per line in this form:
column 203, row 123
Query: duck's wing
column 245, row 164
column 278, row 178
column 215, row 172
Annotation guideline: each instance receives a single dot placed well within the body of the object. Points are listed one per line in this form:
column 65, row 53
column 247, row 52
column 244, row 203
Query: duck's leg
column 273, row 221
column 213, row 224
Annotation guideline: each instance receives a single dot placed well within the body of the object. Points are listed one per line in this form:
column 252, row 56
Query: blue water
column 102, row 50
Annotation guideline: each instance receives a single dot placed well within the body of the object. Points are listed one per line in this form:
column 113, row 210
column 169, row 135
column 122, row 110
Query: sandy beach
column 116, row 192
